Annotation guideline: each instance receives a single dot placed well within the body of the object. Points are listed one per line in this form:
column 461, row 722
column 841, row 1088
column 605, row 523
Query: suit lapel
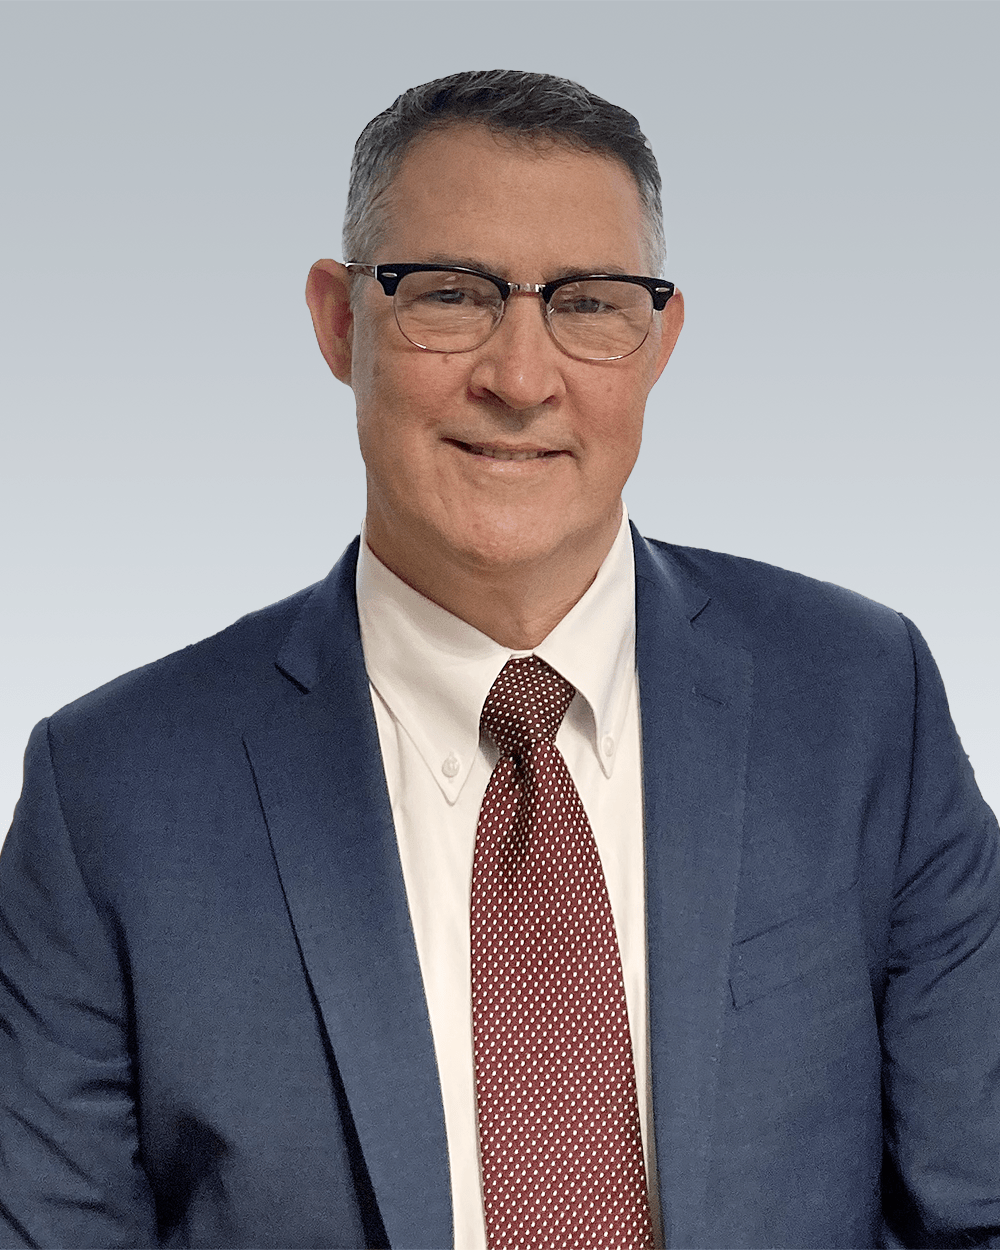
column 319, row 774
column 695, row 703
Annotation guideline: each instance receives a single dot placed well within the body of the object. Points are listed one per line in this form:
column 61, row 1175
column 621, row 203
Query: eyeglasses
column 448, row 308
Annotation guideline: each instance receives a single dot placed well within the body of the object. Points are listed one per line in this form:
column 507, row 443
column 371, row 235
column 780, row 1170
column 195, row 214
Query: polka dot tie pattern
column 555, row 1082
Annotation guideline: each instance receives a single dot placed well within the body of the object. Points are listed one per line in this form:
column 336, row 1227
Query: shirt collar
column 433, row 670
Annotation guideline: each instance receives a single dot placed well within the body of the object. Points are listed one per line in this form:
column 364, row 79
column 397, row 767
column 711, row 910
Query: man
column 729, row 973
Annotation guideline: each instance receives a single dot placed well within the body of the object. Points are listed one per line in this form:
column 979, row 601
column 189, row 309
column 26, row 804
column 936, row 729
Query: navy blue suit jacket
column 212, row 1025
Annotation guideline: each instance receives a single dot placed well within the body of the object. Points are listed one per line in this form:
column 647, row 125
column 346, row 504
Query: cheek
column 615, row 428
column 626, row 453
column 623, row 437
column 395, row 373
column 400, row 403
column 380, row 404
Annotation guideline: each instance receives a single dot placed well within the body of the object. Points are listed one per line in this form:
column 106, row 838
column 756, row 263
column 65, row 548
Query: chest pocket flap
column 823, row 940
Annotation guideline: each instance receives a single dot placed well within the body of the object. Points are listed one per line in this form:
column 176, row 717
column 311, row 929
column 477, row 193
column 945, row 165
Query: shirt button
column 608, row 744
column 451, row 765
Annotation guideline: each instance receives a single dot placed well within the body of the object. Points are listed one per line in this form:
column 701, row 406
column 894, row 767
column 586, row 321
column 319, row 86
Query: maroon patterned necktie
column 555, row 1084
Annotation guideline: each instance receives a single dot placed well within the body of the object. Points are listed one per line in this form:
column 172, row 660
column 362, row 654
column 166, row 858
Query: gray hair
column 514, row 103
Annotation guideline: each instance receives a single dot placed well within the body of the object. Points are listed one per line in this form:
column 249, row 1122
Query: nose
column 520, row 363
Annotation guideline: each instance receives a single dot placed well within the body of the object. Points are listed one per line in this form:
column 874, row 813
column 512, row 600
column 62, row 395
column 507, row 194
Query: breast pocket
column 820, row 945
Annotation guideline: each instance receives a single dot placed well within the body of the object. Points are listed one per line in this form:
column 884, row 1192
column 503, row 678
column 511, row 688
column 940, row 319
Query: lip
column 505, row 451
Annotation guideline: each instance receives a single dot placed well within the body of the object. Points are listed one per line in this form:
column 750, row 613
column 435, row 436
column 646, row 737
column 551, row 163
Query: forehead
column 463, row 194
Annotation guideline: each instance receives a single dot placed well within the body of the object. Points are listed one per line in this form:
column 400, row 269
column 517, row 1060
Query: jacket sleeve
column 941, row 1013
column 70, row 1174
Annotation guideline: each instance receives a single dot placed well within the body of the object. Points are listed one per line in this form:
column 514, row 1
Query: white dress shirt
column 430, row 673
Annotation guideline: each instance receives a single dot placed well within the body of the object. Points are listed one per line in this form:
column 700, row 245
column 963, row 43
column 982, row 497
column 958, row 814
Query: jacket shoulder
column 234, row 666
column 754, row 596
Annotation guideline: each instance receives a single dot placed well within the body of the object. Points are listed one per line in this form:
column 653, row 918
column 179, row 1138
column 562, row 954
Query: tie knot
column 525, row 706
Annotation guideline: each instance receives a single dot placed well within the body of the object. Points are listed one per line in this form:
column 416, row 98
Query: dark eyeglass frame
column 391, row 274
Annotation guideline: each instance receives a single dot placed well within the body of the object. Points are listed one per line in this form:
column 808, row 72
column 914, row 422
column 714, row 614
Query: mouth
column 496, row 451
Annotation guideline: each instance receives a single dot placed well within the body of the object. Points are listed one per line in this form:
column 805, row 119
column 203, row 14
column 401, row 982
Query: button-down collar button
column 608, row 745
column 451, row 766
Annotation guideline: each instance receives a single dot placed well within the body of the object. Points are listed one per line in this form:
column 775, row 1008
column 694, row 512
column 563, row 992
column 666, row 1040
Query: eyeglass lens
column 596, row 319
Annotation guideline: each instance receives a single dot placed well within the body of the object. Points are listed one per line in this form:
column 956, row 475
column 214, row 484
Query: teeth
column 505, row 453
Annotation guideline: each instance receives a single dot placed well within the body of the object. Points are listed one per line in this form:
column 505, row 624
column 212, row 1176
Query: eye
column 435, row 291
column 452, row 296
column 586, row 304
column 586, row 299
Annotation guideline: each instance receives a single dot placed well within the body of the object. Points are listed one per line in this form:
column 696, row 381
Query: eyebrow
column 472, row 262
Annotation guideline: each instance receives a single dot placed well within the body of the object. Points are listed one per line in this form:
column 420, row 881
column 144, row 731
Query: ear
column 672, row 320
column 328, row 290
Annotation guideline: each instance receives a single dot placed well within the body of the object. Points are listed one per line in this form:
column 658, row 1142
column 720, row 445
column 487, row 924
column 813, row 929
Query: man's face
column 512, row 455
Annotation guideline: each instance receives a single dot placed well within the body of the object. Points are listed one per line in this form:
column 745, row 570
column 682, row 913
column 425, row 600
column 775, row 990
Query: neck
column 515, row 604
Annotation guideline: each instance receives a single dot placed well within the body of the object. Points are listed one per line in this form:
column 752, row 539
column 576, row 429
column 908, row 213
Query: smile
column 493, row 452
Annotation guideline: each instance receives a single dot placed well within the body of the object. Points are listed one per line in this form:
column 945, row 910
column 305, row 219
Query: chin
column 511, row 544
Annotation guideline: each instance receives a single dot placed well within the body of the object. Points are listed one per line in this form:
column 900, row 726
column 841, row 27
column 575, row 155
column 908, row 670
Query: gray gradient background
column 175, row 452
